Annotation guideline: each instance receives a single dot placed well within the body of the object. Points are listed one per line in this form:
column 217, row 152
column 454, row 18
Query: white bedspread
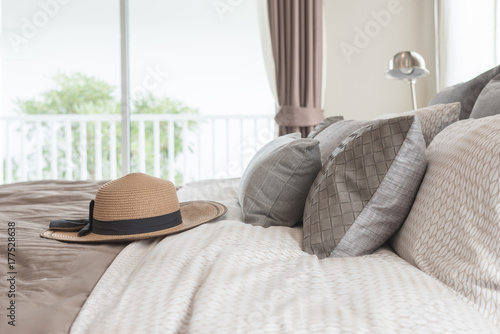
column 230, row 277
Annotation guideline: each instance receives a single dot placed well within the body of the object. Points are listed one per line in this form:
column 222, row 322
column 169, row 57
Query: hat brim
column 193, row 214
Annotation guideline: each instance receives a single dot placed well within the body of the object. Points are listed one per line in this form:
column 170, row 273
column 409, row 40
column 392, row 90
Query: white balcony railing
column 179, row 147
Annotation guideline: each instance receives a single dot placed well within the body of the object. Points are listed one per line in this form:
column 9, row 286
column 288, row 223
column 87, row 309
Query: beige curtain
column 296, row 30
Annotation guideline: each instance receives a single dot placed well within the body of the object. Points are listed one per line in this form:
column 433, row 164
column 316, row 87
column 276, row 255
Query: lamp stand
column 412, row 83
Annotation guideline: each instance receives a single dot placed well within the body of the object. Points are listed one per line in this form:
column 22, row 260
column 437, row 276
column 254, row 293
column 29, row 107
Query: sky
column 190, row 50
column 205, row 53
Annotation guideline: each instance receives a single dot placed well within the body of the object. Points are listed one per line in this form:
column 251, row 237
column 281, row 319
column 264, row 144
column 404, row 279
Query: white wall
column 356, row 87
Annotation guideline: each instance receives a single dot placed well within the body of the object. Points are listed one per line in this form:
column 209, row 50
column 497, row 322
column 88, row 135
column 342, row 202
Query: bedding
column 221, row 277
column 52, row 279
column 231, row 277
column 228, row 276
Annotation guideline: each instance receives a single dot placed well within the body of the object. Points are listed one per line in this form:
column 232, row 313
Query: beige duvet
column 230, row 277
column 52, row 279
column 221, row 277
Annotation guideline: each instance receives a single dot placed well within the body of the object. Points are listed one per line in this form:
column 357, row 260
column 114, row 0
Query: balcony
column 179, row 147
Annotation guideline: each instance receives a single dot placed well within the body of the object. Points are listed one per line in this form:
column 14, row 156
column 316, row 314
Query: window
column 196, row 73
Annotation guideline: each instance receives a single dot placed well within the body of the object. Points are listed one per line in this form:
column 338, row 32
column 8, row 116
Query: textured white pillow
column 453, row 229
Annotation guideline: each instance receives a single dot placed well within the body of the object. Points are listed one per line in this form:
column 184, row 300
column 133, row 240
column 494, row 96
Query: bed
column 225, row 276
column 436, row 273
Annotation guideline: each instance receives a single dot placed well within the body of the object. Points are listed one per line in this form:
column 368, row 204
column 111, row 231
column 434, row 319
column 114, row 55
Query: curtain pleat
column 296, row 29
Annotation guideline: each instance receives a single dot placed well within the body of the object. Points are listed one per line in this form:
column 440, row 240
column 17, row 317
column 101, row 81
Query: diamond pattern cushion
column 432, row 120
column 364, row 192
column 274, row 186
column 453, row 229
column 466, row 93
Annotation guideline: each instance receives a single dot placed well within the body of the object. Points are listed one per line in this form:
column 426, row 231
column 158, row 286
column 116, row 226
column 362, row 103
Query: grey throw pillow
column 432, row 120
column 324, row 124
column 488, row 102
column 364, row 192
column 466, row 93
column 274, row 187
column 334, row 134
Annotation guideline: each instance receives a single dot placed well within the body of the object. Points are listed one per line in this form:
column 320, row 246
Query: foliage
column 78, row 93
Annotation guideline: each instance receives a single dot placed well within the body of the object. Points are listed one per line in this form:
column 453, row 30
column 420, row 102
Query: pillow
column 364, row 192
column 453, row 229
column 324, row 124
column 488, row 102
column 333, row 135
column 274, row 186
column 432, row 120
column 466, row 93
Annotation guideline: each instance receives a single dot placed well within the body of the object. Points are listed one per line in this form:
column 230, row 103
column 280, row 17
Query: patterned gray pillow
column 274, row 187
column 333, row 135
column 324, row 124
column 488, row 102
column 432, row 120
column 466, row 93
column 364, row 192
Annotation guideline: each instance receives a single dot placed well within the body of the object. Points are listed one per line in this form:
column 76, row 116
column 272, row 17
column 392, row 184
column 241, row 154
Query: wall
column 356, row 86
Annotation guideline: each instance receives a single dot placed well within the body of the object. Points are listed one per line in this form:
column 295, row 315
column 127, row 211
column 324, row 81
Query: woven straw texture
column 133, row 196
column 136, row 196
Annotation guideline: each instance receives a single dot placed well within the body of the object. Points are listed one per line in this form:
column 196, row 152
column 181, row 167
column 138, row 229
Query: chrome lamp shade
column 407, row 65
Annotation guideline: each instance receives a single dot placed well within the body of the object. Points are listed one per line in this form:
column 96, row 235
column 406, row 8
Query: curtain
column 292, row 40
column 467, row 39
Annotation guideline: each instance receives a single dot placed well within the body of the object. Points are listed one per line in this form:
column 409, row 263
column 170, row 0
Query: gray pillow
column 274, row 187
column 488, row 102
column 432, row 120
column 324, row 124
column 364, row 192
column 466, row 93
column 333, row 135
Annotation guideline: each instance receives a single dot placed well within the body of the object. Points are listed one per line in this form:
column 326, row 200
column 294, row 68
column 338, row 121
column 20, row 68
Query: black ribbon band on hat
column 118, row 227
column 83, row 226
column 137, row 226
column 68, row 224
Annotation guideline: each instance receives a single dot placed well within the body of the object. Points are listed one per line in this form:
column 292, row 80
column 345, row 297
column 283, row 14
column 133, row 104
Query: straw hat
column 133, row 207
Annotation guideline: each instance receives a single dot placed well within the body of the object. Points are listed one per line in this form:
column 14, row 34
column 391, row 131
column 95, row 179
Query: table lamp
column 407, row 65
